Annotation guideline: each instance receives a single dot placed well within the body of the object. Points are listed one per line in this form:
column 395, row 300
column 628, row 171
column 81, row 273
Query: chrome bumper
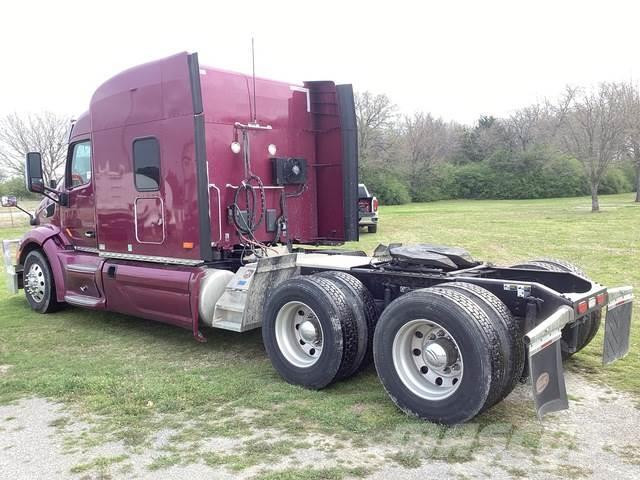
column 545, row 353
column 9, row 248
column 368, row 219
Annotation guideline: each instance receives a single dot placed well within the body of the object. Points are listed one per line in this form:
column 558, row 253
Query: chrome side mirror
column 9, row 201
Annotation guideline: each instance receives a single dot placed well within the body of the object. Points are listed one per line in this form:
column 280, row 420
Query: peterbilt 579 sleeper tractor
column 199, row 197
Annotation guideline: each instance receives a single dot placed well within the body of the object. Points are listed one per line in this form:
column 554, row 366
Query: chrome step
column 83, row 301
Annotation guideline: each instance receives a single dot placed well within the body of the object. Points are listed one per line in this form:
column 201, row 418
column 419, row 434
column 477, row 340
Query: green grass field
column 605, row 244
column 136, row 376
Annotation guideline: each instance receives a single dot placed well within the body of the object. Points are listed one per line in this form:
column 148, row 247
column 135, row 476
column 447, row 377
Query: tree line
column 584, row 142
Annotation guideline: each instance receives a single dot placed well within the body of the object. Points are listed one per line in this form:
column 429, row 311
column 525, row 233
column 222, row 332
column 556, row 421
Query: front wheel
column 39, row 286
column 372, row 228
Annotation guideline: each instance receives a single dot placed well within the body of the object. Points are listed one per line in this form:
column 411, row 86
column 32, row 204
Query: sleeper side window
column 146, row 164
column 80, row 170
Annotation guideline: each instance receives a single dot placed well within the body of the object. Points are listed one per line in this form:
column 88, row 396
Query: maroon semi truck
column 209, row 199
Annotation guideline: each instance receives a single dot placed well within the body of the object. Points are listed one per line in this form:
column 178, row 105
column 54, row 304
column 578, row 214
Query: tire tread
column 347, row 324
column 503, row 320
column 367, row 303
column 492, row 340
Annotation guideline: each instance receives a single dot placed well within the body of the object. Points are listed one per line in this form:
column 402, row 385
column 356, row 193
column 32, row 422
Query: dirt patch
column 596, row 438
column 4, row 369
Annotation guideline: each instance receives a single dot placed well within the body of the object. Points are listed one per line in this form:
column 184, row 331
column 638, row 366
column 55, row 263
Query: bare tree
column 523, row 125
column 554, row 115
column 593, row 133
column 426, row 141
column 44, row 132
column 631, row 144
column 376, row 116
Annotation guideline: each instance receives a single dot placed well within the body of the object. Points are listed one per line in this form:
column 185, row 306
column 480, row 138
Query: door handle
column 90, row 234
column 111, row 271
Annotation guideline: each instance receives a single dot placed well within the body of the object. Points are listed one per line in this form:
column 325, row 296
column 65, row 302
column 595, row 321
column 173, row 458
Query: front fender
column 36, row 237
column 51, row 240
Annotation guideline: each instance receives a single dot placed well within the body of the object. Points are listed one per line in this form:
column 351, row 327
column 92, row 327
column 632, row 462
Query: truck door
column 79, row 216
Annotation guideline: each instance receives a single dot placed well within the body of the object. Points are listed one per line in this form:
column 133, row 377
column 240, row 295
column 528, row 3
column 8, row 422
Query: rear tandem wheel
column 309, row 332
column 588, row 326
column 440, row 356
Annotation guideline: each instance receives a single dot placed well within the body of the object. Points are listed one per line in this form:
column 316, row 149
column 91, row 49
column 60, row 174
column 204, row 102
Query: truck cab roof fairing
column 152, row 91
column 153, row 100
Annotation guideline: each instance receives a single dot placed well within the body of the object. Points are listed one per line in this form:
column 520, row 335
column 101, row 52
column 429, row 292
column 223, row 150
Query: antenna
column 253, row 66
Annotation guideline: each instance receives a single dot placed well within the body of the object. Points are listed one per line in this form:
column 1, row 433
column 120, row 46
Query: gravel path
column 599, row 437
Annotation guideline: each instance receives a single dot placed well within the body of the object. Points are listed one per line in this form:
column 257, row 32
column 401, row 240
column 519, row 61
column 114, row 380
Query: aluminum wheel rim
column 36, row 283
column 299, row 334
column 419, row 360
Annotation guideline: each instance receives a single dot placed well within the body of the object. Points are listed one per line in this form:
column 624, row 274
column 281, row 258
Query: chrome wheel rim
column 427, row 359
column 36, row 283
column 299, row 334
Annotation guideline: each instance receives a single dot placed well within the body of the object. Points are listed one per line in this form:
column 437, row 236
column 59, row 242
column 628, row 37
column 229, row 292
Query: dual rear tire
column 447, row 353
column 317, row 329
column 444, row 354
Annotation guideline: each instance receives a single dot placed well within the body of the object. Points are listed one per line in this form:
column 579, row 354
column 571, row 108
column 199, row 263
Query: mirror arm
column 61, row 196
column 53, row 199
column 32, row 220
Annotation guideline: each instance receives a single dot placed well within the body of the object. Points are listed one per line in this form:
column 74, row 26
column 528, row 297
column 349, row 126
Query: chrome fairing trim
column 150, row 258
column 87, row 249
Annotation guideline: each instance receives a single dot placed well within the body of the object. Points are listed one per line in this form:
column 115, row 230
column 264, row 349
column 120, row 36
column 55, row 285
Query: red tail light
column 583, row 306
column 375, row 204
column 601, row 298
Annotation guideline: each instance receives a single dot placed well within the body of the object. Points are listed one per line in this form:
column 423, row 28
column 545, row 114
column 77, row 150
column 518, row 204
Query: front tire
column 372, row 228
column 39, row 285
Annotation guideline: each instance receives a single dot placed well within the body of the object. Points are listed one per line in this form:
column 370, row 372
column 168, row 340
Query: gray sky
column 456, row 59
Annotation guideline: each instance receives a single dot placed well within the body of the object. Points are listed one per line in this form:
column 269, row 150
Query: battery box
column 289, row 171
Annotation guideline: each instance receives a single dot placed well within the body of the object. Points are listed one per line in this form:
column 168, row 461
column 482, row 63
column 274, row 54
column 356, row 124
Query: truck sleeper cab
column 189, row 198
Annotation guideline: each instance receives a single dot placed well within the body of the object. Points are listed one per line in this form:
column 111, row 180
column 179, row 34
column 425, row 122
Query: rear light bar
column 591, row 302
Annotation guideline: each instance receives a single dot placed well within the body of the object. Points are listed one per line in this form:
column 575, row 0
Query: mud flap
column 617, row 326
column 545, row 362
column 547, row 380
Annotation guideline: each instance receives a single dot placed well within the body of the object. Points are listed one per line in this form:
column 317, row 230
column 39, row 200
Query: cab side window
column 80, row 168
column 146, row 164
